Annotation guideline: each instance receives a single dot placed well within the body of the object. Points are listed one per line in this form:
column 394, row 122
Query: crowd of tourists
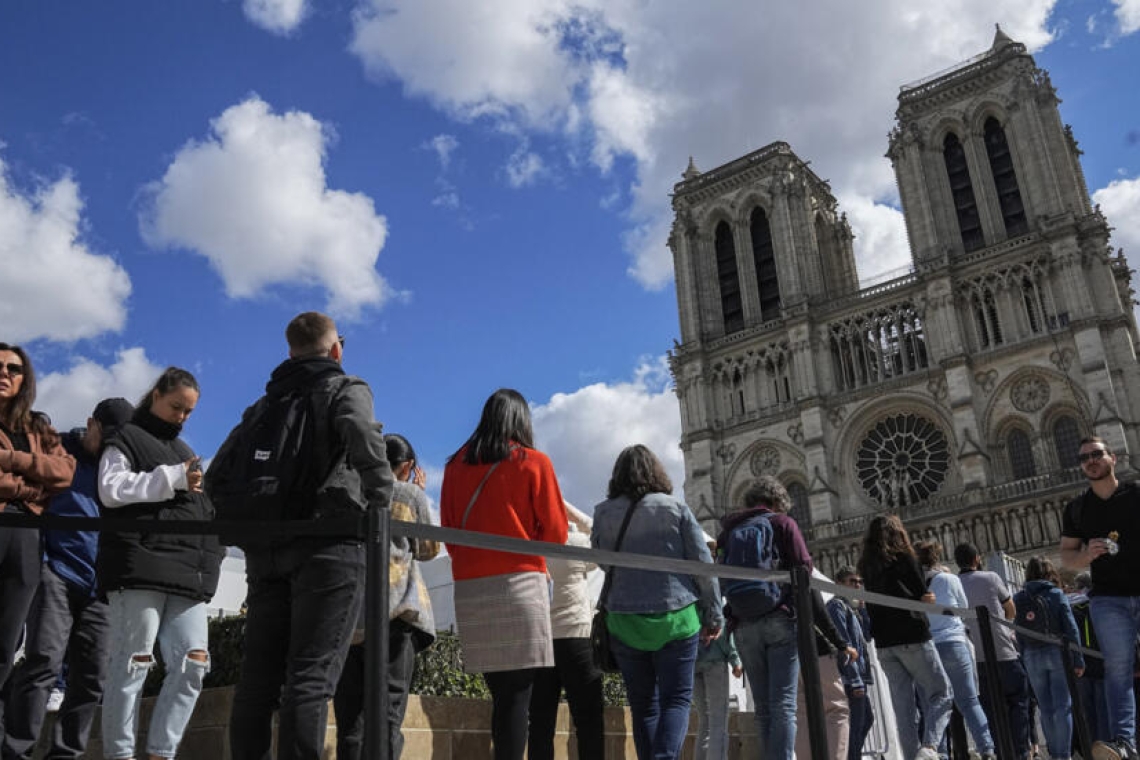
column 94, row 604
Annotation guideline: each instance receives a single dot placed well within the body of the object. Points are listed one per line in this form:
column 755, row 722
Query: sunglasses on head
column 340, row 340
column 13, row 368
column 1094, row 455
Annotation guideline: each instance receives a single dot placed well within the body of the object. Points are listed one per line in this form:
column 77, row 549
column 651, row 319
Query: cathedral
column 954, row 395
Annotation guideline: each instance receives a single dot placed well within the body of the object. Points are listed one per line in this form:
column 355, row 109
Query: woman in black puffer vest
column 157, row 584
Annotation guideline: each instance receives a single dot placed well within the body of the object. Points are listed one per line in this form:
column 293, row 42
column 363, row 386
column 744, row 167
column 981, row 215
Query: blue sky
column 477, row 191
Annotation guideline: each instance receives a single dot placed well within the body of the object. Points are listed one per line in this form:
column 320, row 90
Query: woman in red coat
column 33, row 468
column 498, row 483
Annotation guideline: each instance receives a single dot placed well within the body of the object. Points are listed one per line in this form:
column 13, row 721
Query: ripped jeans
column 138, row 617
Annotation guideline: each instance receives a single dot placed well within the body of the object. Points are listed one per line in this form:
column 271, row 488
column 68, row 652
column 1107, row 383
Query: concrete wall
column 434, row 729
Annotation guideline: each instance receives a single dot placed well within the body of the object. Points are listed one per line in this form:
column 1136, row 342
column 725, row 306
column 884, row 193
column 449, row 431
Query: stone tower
column 955, row 394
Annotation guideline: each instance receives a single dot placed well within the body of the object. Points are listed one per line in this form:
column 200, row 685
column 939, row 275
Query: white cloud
column 253, row 199
column 734, row 78
column 1127, row 15
column 449, row 199
column 69, row 397
column 55, row 286
column 1120, row 202
column 444, row 146
column 524, row 168
column 880, row 236
column 277, row 16
column 584, row 431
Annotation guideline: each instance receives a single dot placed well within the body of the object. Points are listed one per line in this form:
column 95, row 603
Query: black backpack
column 273, row 463
column 1033, row 613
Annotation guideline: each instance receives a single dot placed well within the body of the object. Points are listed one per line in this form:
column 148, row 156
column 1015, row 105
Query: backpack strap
column 617, row 548
column 479, row 489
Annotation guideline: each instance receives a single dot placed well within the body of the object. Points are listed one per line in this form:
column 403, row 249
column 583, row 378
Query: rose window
column 902, row 461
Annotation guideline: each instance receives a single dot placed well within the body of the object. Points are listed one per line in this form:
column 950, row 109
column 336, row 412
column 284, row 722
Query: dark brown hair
column 1096, row 439
column 171, row 378
column 769, row 492
column 17, row 414
column 638, row 472
column 885, row 541
column 1041, row 569
column 505, row 418
column 929, row 553
column 308, row 334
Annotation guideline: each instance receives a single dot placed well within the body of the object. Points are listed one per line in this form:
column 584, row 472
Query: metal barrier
column 376, row 529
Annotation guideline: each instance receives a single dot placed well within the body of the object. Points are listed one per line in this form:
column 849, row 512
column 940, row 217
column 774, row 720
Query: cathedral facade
column 954, row 395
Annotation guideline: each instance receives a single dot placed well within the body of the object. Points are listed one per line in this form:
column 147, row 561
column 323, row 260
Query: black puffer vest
column 186, row 565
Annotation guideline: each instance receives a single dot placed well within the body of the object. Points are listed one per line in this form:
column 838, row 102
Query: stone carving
column 765, row 461
column 1062, row 359
column 938, row 390
column 796, row 433
column 1030, row 394
column 727, row 453
column 836, row 416
column 987, row 380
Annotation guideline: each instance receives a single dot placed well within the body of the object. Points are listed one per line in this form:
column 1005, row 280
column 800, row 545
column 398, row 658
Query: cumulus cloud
column 584, row 431
column 731, row 82
column 443, row 146
column 68, row 397
column 1127, row 15
column 253, row 199
column 524, row 168
column 277, row 16
column 1120, row 202
column 880, row 234
column 55, row 286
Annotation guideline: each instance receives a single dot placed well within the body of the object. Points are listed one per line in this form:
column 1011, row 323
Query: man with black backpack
column 1100, row 529
column 310, row 449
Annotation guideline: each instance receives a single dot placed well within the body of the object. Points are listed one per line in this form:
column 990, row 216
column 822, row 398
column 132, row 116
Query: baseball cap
column 112, row 414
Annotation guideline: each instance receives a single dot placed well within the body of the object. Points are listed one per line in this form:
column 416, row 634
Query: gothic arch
column 741, row 473
column 983, row 110
column 937, row 131
column 721, row 211
column 1058, row 383
column 754, row 197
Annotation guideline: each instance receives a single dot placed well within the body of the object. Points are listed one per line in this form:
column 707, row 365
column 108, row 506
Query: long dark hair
column 17, row 414
column 506, row 418
column 398, row 449
column 885, row 541
column 171, row 378
column 638, row 472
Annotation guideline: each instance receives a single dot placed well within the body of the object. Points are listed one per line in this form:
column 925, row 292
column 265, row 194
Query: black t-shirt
column 1112, row 575
column 19, row 440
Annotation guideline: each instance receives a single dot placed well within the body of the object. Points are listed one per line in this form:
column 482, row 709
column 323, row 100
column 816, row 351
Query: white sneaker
column 55, row 700
column 926, row 753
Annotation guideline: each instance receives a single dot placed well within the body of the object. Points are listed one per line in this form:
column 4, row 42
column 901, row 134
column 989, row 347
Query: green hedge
column 439, row 669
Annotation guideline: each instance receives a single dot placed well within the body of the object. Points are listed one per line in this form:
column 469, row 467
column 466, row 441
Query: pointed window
column 764, row 258
column 1020, row 451
column 1005, row 180
column 732, row 308
column 966, row 207
column 801, row 507
column 1067, row 441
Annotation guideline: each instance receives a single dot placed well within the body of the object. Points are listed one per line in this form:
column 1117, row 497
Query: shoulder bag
column 599, row 634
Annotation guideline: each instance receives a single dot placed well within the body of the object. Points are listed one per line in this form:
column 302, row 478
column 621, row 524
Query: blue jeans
column 772, row 663
column 958, row 662
column 660, row 690
column 138, row 617
column 910, row 668
column 862, row 718
column 1047, row 676
column 711, row 697
column 1116, row 620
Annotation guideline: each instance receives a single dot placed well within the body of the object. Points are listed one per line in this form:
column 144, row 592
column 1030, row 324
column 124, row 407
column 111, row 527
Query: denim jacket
column 857, row 674
column 1060, row 613
column 663, row 526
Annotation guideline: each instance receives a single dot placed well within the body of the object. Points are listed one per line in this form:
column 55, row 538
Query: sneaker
column 926, row 753
column 1118, row 749
column 55, row 700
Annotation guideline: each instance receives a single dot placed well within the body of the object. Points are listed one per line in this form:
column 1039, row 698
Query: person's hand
column 709, row 634
column 859, row 693
column 928, row 597
column 193, row 474
column 1097, row 547
column 420, row 477
column 852, row 654
column 737, row 671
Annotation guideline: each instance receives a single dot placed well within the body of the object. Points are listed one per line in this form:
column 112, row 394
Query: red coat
column 521, row 499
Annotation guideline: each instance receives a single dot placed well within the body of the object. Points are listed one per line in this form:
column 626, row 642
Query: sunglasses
column 1094, row 455
column 340, row 340
column 13, row 368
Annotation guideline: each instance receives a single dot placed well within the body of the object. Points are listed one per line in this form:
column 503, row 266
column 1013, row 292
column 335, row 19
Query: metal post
column 1080, row 720
column 378, row 552
column 809, row 662
column 999, row 718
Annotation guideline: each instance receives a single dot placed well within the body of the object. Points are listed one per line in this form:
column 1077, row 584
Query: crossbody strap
column 479, row 489
column 617, row 548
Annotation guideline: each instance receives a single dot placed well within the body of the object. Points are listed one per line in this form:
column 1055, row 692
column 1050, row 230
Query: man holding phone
column 1101, row 530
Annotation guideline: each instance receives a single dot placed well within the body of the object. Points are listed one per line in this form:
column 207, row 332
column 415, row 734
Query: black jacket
column 186, row 565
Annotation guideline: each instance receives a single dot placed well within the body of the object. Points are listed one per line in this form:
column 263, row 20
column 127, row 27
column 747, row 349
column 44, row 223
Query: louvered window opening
column 965, row 205
column 731, row 304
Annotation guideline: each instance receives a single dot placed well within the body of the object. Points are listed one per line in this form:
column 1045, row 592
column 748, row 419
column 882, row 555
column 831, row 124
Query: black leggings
column 510, row 711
